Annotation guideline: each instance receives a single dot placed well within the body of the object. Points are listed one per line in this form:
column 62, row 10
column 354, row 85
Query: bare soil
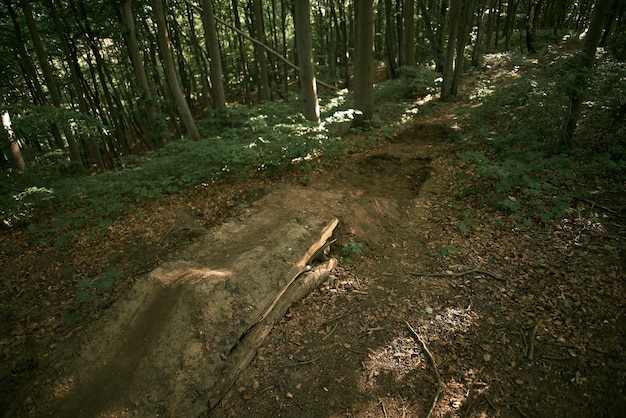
column 537, row 330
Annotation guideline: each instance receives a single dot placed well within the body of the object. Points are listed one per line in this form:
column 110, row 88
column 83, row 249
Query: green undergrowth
column 263, row 140
column 509, row 154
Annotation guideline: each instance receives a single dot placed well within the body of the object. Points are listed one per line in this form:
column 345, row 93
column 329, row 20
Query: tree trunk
column 92, row 149
column 258, row 32
column 46, row 69
column 242, row 54
column 456, row 7
column 428, row 28
column 509, row 23
column 213, row 46
column 392, row 67
column 409, row 32
column 363, row 62
column 140, row 72
column 308, row 86
column 531, row 25
column 586, row 59
column 441, row 36
column 464, row 24
column 170, row 71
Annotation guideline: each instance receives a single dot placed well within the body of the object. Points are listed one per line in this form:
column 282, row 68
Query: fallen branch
column 432, row 360
column 464, row 273
column 253, row 338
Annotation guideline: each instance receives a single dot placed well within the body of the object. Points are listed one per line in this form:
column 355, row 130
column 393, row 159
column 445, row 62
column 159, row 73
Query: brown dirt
column 545, row 337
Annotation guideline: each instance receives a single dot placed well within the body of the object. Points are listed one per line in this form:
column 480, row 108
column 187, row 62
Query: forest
column 134, row 131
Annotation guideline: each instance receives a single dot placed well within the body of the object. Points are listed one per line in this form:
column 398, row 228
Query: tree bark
column 464, row 23
column 448, row 65
column 308, row 85
column 363, row 62
column 170, row 71
column 586, row 59
column 213, row 46
column 258, row 32
column 392, row 67
column 140, row 73
column 409, row 32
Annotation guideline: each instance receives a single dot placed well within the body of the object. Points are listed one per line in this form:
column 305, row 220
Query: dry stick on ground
column 432, row 360
column 253, row 338
column 464, row 273
column 531, row 347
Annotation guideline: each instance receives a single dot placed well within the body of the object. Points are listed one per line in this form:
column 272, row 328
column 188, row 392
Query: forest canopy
column 96, row 86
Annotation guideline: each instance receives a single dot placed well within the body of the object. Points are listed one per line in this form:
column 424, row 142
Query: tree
column 258, row 32
column 213, row 46
column 308, row 85
column 363, row 100
column 586, row 58
column 409, row 32
column 170, row 71
column 48, row 74
column 463, row 32
column 140, row 71
column 456, row 9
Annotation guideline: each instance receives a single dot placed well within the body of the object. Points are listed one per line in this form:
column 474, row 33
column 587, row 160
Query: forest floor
column 425, row 310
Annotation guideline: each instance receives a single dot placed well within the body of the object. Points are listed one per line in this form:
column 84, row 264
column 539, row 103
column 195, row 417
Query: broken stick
column 463, row 273
column 432, row 360
column 253, row 338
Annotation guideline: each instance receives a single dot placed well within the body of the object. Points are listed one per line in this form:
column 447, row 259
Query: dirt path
column 544, row 337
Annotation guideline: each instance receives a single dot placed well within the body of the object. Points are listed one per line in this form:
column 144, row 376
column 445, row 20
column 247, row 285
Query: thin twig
column 464, row 273
column 594, row 204
column 533, row 334
column 331, row 331
column 338, row 317
column 383, row 405
column 432, row 360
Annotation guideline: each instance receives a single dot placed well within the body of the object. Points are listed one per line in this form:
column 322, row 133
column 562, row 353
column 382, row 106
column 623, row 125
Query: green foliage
column 349, row 250
column 511, row 147
column 89, row 287
column 446, row 251
column 32, row 124
column 266, row 139
column 414, row 82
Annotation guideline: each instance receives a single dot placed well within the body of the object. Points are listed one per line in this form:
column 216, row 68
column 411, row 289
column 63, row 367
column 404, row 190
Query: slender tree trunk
column 392, row 69
column 531, row 25
column 441, row 36
column 242, row 54
column 308, row 86
column 28, row 69
column 364, row 61
column 170, row 71
column 456, row 7
column 213, row 46
column 409, row 32
column 92, row 150
column 46, row 69
column 509, row 23
column 140, row 73
column 464, row 24
column 479, row 36
column 259, row 53
column 587, row 57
